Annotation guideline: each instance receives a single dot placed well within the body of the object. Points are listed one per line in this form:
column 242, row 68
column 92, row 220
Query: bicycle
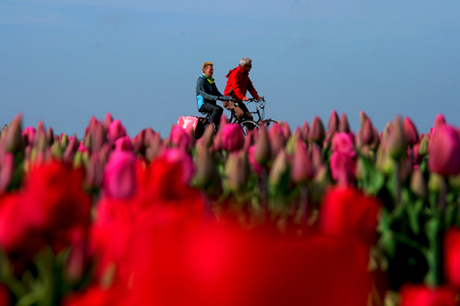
column 252, row 124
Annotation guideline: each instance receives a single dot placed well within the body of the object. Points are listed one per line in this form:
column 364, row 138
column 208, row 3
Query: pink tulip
column 367, row 133
column 124, row 144
column 302, row 167
column 253, row 162
column 276, row 138
column 119, row 175
column 343, row 142
column 180, row 138
column 233, row 137
column 444, row 151
column 175, row 156
column 439, row 120
column 410, row 131
column 28, row 134
column 115, row 131
column 343, row 167
column 82, row 148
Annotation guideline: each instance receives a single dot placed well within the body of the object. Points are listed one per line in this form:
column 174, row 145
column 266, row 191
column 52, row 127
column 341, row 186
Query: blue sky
column 65, row 61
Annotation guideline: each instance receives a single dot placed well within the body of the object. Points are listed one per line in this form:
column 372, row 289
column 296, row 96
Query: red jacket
column 238, row 84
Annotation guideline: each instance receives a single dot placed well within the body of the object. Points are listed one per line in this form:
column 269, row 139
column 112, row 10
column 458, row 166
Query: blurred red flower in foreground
column 191, row 263
column 51, row 202
column 347, row 212
column 452, row 257
column 420, row 295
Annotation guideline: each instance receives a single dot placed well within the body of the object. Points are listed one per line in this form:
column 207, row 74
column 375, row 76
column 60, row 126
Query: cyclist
column 207, row 94
column 238, row 84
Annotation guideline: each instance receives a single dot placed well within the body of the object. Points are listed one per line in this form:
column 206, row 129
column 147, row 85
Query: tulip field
column 313, row 215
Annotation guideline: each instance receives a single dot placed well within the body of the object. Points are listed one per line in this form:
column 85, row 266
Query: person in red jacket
column 238, row 84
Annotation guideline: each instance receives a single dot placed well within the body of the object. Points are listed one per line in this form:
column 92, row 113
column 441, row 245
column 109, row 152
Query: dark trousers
column 215, row 111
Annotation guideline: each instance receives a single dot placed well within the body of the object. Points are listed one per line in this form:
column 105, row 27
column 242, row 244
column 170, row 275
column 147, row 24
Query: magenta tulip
column 302, row 166
column 180, row 138
column 119, row 180
column 444, row 151
column 233, row 137
column 124, row 144
column 115, row 131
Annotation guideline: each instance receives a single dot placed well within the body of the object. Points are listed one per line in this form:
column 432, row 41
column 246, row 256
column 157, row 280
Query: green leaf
column 373, row 180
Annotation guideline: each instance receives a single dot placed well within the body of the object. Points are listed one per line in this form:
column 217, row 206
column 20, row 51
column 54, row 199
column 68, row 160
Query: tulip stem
column 442, row 194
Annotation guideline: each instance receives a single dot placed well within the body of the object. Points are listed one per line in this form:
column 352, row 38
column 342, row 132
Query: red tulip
column 333, row 123
column 52, row 201
column 347, row 212
column 124, row 144
column 211, row 264
column 452, row 257
column 420, row 295
column 444, row 151
column 317, row 132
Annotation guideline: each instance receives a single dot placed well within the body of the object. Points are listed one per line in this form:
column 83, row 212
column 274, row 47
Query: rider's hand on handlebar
column 245, row 99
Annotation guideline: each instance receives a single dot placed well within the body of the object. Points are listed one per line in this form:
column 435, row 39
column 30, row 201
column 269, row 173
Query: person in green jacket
column 207, row 94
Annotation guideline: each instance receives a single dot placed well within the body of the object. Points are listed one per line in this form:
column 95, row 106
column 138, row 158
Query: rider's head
column 208, row 68
column 246, row 63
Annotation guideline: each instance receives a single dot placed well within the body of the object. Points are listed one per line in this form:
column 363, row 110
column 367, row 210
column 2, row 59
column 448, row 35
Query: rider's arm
column 252, row 90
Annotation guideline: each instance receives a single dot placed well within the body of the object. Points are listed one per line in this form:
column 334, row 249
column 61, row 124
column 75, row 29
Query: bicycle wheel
column 269, row 122
column 248, row 125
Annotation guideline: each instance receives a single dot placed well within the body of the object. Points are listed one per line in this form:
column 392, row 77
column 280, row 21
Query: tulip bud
column 302, row 167
column 439, row 120
column 124, row 144
column 233, row 137
column 98, row 137
column 316, row 157
column 119, row 178
column 208, row 136
column 397, row 144
column 263, row 150
column 108, row 120
column 71, row 149
column 139, row 142
column 367, row 132
column 237, row 171
column 444, row 151
column 94, row 171
column 333, row 123
column 206, row 175
column 276, row 139
column 154, row 147
column 56, row 151
column 250, row 140
column 435, row 183
column 291, row 144
column 423, row 147
column 305, row 130
column 115, row 131
column 418, row 184
column 286, row 130
column 28, row 134
column 6, row 170
column 410, row 131
column 279, row 169
column 14, row 141
column 50, row 136
column 317, row 132
column 344, row 126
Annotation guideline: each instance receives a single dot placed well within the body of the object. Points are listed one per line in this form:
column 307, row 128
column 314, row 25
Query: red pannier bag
column 188, row 122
